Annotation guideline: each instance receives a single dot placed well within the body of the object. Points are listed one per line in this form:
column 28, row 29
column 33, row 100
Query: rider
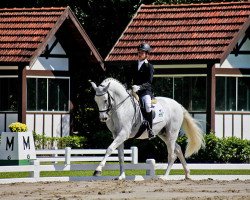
column 140, row 76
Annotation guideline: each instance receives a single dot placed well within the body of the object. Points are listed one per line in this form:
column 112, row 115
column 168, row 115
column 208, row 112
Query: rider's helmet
column 144, row 47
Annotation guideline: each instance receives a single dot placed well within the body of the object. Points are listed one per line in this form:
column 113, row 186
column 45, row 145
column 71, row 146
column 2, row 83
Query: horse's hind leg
column 174, row 150
column 170, row 141
column 171, row 156
column 179, row 153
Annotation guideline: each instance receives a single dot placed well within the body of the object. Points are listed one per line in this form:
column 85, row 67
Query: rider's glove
column 135, row 88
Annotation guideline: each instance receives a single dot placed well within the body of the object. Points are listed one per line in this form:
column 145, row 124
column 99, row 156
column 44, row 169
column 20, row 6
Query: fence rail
column 69, row 155
column 150, row 166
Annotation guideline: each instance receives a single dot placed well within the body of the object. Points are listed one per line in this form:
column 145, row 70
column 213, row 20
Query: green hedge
column 218, row 150
column 221, row 150
column 44, row 142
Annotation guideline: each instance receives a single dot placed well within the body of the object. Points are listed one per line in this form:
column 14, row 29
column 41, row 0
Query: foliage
column 18, row 127
column 217, row 150
column 100, row 140
column 212, row 152
column 44, row 142
column 235, row 150
column 221, row 150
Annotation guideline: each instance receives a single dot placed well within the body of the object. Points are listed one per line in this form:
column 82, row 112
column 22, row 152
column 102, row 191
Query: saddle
column 157, row 114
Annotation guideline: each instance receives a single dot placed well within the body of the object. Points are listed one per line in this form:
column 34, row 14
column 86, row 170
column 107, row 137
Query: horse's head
column 103, row 100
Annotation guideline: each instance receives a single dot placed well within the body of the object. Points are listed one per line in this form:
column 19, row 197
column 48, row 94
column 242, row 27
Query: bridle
column 109, row 101
column 110, row 98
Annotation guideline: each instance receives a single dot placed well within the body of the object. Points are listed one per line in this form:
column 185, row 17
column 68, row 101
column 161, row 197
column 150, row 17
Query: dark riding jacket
column 142, row 78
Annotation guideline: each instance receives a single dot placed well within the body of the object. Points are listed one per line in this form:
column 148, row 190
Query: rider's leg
column 148, row 115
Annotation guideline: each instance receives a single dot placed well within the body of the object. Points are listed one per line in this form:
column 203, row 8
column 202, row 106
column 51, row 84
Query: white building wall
column 219, row 125
column 39, row 124
column 228, row 125
column 237, row 126
column 52, row 125
column 240, row 61
column 48, row 125
column 53, row 64
column 246, row 126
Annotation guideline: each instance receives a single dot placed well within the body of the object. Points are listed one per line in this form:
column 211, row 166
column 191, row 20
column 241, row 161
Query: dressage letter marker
column 17, row 148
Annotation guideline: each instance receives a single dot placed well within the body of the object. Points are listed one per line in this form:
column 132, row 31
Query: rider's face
column 142, row 55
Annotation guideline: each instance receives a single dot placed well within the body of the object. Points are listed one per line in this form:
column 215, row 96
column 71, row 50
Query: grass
column 116, row 172
column 128, row 173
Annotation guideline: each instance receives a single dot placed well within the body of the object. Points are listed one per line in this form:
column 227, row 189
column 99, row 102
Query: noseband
column 109, row 102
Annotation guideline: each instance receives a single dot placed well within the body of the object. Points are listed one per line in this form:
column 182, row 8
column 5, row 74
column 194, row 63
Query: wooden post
column 151, row 171
column 211, row 95
column 36, row 173
column 134, row 155
column 67, row 155
column 22, row 94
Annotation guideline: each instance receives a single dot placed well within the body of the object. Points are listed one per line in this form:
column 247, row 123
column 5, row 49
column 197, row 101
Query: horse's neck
column 119, row 92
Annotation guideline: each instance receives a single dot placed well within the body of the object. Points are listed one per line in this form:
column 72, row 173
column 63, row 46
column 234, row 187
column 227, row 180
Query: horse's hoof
column 119, row 178
column 97, row 173
column 163, row 178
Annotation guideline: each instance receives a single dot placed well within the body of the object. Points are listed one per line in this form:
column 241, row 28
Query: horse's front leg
column 121, row 162
column 116, row 143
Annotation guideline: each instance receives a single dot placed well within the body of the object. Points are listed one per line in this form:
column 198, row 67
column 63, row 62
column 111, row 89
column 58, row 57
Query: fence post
column 67, row 155
column 151, row 170
column 134, row 155
column 55, row 155
column 36, row 173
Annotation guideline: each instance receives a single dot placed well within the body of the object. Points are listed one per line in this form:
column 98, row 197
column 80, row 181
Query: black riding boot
column 149, row 118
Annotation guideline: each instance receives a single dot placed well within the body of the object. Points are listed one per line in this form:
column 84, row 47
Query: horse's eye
column 105, row 101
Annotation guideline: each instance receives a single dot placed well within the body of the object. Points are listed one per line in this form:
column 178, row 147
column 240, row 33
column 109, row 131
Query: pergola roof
column 25, row 32
column 184, row 32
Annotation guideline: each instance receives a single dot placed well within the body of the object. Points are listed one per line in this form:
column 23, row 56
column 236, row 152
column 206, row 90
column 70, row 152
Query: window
column 58, row 94
column 188, row 91
column 8, row 94
column 45, row 94
column 244, row 94
column 163, row 87
column 233, row 93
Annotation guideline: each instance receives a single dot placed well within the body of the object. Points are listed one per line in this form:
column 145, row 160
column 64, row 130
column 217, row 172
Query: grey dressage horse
column 122, row 115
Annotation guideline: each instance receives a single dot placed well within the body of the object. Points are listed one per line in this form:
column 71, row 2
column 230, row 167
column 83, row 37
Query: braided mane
column 112, row 79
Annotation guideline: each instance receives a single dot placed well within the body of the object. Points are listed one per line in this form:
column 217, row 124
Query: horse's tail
column 194, row 134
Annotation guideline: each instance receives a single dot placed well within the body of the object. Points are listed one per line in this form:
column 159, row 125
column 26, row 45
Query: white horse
column 122, row 115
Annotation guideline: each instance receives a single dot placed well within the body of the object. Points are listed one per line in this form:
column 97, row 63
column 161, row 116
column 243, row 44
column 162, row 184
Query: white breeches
column 146, row 99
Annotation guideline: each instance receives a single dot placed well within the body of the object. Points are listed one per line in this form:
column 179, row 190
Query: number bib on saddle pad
column 158, row 113
column 158, row 116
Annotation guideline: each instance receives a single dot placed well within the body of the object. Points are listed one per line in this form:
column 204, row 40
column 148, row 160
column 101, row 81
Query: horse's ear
column 93, row 85
column 105, row 89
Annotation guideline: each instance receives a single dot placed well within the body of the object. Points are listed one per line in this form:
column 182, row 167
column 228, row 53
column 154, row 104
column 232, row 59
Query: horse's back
column 171, row 103
column 173, row 110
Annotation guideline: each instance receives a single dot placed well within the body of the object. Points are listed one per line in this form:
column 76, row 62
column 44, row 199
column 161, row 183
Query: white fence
column 69, row 155
column 66, row 156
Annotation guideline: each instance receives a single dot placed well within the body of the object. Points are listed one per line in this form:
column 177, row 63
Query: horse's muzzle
column 103, row 119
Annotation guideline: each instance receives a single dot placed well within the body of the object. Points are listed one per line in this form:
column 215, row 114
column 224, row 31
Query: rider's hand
column 135, row 88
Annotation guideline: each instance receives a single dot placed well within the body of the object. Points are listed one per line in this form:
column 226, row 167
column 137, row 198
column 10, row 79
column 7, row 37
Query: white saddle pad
column 159, row 113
